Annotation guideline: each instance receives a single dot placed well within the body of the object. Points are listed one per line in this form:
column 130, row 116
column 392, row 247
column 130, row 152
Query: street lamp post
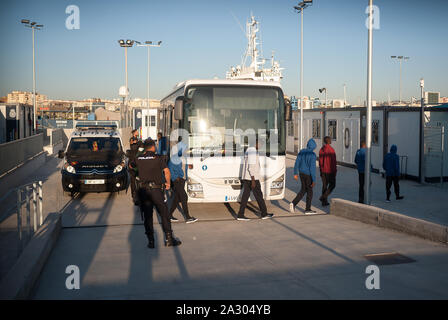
column 322, row 90
column 148, row 44
column 345, row 96
column 369, row 108
column 33, row 26
column 400, row 59
column 300, row 7
column 422, row 130
column 126, row 44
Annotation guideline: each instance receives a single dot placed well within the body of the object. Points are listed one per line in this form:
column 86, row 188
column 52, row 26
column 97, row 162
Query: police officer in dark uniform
column 135, row 144
column 150, row 192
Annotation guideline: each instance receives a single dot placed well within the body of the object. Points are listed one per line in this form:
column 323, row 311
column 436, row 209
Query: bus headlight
column 277, row 185
column 194, row 189
column 118, row 168
column 69, row 168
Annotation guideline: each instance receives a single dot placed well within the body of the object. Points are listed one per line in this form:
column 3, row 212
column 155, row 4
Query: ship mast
column 254, row 70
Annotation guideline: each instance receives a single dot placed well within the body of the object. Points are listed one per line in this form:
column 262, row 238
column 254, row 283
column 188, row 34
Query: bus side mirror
column 179, row 108
column 288, row 110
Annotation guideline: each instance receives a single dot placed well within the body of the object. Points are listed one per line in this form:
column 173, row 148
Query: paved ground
column 288, row 257
column 299, row 257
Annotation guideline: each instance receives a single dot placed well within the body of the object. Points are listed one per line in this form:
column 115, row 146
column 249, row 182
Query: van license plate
column 98, row 181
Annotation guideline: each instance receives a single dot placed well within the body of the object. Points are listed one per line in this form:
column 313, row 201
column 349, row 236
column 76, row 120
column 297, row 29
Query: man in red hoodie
column 327, row 165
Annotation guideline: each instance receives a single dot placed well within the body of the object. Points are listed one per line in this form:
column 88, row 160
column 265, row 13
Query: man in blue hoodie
column 178, row 182
column 360, row 160
column 391, row 164
column 305, row 167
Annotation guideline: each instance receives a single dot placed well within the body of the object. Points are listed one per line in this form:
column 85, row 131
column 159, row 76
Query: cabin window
column 332, row 129
column 290, row 128
column 316, row 128
column 376, row 132
column 152, row 121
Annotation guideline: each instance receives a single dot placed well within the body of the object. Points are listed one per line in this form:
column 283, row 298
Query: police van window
column 332, row 129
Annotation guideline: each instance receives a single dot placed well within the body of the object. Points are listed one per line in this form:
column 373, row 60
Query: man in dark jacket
column 305, row 167
column 391, row 164
column 327, row 166
column 134, row 143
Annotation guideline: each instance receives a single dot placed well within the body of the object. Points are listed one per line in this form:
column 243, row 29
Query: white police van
column 94, row 160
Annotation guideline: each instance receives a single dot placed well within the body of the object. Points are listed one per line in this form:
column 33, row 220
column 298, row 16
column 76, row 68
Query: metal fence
column 26, row 201
column 434, row 152
column 18, row 151
column 403, row 166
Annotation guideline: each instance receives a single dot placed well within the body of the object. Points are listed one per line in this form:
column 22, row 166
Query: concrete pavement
column 288, row 257
column 298, row 257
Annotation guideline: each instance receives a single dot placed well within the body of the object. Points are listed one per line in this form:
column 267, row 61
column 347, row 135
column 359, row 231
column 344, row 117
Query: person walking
column 327, row 167
column 161, row 144
column 134, row 144
column 251, row 182
column 178, row 183
column 150, row 190
column 360, row 160
column 391, row 164
column 305, row 167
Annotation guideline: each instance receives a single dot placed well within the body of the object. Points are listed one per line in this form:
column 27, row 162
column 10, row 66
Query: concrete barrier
column 20, row 280
column 53, row 142
column 17, row 152
column 389, row 219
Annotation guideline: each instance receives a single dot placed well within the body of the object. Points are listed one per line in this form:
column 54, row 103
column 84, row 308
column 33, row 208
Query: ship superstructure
column 252, row 65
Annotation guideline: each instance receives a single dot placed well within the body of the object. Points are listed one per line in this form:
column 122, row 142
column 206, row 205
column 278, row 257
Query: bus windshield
column 212, row 114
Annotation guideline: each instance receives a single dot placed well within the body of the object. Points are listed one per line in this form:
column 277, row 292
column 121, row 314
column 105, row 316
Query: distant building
column 432, row 97
column 25, row 97
column 443, row 99
column 142, row 103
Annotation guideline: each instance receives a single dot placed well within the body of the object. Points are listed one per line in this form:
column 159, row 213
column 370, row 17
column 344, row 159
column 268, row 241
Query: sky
column 203, row 39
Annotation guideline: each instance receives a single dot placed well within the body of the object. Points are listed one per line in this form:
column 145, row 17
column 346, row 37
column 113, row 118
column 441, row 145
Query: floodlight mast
column 300, row 7
column 400, row 59
column 126, row 44
column 33, row 26
column 369, row 107
column 148, row 44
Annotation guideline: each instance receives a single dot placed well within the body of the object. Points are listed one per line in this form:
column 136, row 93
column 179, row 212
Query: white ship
column 255, row 70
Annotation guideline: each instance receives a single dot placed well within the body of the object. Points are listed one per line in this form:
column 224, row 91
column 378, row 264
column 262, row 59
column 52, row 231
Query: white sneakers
column 291, row 207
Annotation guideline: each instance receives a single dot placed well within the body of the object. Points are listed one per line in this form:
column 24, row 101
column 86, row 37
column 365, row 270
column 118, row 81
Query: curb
column 20, row 280
column 389, row 220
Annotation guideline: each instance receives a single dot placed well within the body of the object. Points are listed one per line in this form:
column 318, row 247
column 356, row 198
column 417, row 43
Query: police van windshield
column 94, row 146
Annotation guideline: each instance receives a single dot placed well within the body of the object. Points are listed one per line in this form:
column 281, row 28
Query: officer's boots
column 150, row 240
column 171, row 241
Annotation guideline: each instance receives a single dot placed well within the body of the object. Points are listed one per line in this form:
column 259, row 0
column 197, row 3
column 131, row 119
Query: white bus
column 217, row 117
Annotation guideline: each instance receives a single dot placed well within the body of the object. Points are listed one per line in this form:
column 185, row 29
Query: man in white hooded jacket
column 251, row 182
